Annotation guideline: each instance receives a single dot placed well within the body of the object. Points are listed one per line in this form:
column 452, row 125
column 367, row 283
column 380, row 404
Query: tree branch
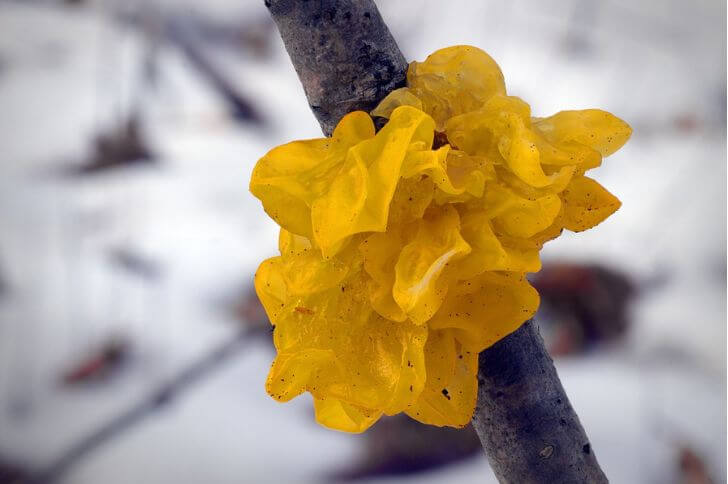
column 343, row 53
column 347, row 60
column 527, row 426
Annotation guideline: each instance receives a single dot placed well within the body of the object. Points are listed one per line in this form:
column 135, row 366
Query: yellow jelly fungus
column 404, row 252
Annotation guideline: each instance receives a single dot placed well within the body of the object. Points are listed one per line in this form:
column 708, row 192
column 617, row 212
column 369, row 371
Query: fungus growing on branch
column 404, row 252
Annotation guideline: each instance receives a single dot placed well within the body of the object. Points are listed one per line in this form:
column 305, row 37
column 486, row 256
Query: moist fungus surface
column 404, row 252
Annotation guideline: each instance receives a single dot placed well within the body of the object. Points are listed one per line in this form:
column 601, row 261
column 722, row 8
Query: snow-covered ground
column 66, row 73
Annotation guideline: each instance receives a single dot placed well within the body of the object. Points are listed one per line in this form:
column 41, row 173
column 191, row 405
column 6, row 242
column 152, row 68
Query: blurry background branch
column 156, row 400
column 347, row 60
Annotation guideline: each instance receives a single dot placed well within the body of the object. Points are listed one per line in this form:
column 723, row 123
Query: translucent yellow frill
column 404, row 253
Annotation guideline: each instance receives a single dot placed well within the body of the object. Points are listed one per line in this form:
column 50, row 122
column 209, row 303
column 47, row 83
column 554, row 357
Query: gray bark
column 343, row 52
column 525, row 422
column 346, row 60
